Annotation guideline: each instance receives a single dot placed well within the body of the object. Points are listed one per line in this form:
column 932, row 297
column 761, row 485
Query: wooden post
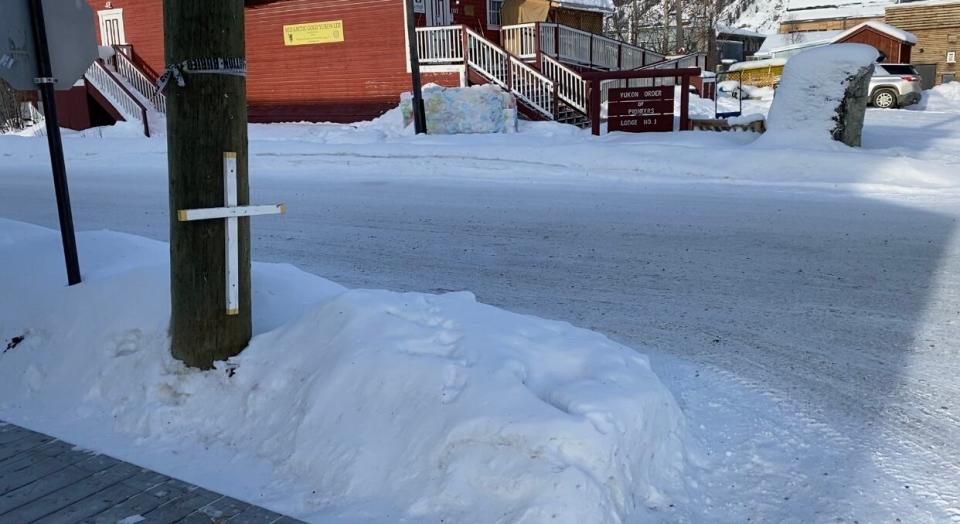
column 685, row 103
column 206, row 118
column 595, row 88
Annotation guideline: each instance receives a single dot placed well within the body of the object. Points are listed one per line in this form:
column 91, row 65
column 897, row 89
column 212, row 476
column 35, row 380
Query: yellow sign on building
column 313, row 33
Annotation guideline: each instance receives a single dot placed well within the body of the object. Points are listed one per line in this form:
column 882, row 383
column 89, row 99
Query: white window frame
column 951, row 57
column 106, row 14
column 491, row 12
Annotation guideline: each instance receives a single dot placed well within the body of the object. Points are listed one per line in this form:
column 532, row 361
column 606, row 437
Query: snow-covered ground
column 366, row 404
column 800, row 304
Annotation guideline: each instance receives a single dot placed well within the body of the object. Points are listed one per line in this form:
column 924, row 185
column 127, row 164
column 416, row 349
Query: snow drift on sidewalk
column 374, row 405
column 944, row 97
column 811, row 89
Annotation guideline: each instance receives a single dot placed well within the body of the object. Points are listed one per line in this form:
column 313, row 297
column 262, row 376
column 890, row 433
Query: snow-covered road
column 808, row 329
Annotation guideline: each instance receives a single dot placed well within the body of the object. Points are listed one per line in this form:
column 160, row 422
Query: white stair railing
column 487, row 59
column 548, row 39
column 634, row 57
column 533, row 87
column 605, row 53
column 110, row 87
column 440, row 45
column 571, row 88
column 574, row 45
column 445, row 45
column 520, row 40
column 140, row 81
column 510, row 73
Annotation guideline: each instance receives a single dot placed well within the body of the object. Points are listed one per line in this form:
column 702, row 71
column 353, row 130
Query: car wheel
column 885, row 98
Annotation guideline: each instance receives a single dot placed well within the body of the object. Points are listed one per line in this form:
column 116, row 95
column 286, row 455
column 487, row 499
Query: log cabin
column 937, row 26
column 348, row 60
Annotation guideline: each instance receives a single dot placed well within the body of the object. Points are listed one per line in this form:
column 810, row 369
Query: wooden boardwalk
column 49, row 481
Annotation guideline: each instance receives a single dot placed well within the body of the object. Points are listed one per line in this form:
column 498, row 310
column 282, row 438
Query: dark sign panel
column 640, row 109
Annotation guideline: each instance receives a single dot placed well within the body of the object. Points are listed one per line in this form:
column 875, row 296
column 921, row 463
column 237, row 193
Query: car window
column 900, row 69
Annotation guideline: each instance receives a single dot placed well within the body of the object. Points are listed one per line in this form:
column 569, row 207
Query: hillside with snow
column 763, row 16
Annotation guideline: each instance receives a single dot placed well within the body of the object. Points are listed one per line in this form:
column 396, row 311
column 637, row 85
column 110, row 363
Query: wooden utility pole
column 206, row 120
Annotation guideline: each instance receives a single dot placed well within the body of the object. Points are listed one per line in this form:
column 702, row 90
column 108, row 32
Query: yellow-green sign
column 313, row 33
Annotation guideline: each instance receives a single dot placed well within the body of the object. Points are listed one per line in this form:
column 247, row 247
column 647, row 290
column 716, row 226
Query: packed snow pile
column 944, row 97
column 464, row 110
column 813, row 92
column 368, row 405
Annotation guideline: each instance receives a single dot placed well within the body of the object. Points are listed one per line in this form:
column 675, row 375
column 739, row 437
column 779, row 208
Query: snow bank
column 944, row 97
column 466, row 110
column 368, row 405
column 811, row 90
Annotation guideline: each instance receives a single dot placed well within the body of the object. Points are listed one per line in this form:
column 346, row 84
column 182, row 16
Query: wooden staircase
column 127, row 87
column 538, row 63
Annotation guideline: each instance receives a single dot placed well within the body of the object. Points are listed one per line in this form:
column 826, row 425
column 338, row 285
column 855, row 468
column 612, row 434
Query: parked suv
column 894, row 85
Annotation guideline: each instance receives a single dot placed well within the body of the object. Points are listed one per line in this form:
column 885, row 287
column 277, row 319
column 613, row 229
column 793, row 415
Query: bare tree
column 11, row 117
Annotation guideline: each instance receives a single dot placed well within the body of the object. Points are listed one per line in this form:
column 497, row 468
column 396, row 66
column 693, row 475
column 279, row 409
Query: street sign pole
column 419, row 114
column 45, row 83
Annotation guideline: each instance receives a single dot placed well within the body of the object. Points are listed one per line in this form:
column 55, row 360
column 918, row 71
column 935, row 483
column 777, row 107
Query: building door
column 928, row 75
column 438, row 13
column 111, row 27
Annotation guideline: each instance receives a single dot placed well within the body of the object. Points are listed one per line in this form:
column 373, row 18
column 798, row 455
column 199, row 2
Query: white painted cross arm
column 230, row 212
column 190, row 215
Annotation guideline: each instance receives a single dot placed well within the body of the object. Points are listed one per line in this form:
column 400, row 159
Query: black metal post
column 419, row 115
column 48, row 97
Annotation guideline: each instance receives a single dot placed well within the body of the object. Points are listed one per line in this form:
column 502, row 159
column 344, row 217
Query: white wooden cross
column 231, row 212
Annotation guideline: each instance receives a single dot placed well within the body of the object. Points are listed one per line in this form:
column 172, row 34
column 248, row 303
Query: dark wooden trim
column 645, row 73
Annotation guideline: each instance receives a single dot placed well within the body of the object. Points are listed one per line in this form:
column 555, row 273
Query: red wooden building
column 346, row 60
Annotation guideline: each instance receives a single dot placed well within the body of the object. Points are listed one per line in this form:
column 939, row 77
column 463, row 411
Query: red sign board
column 640, row 109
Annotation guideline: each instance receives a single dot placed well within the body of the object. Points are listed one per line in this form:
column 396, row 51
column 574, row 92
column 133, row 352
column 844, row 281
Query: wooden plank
column 18, row 446
column 142, row 503
column 26, row 494
column 256, row 515
column 10, row 433
column 221, row 510
column 183, row 506
column 55, row 482
column 96, row 503
column 147, row 482
column 70, row 494
column 11, row 480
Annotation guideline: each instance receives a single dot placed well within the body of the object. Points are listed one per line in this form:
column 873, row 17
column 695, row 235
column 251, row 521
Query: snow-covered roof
column 786, row 44
column 908, row 3
column 731, row 30
column 826, row 13
column 781, row 41
column 823, row 9
column 756, row 64
column 605, row 6
column 887, row 29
